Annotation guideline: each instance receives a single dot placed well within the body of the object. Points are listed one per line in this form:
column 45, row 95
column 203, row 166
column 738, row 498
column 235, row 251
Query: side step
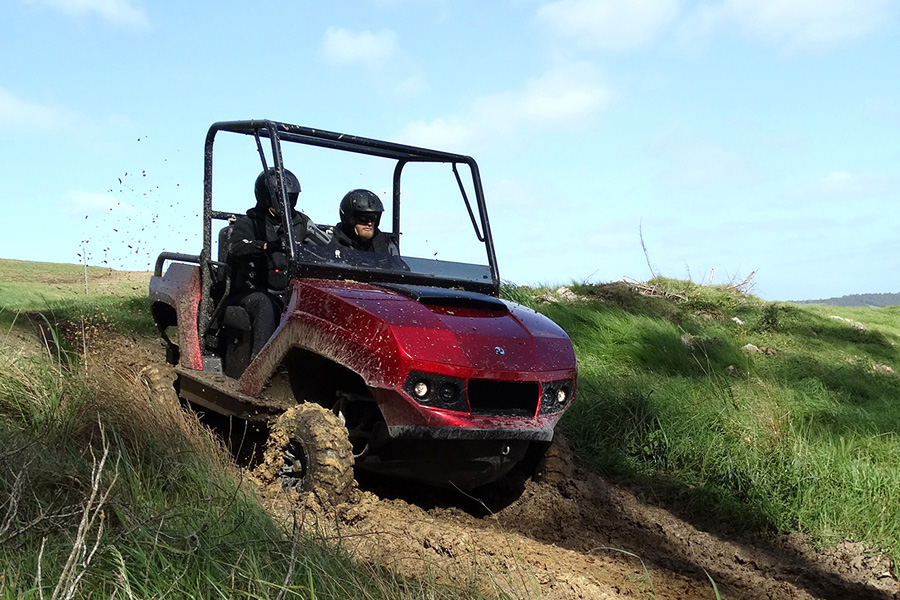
column 220, row 394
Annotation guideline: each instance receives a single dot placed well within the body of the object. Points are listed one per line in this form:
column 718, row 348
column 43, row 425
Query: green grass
column 115, row 299
column 104, row 493
column 145, row 500
column 30, row 285
column 153, row 494
column 802, row 437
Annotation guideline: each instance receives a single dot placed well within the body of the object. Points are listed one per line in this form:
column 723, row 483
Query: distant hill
column 873, row 300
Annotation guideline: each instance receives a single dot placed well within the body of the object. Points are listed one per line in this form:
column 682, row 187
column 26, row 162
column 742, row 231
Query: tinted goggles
column 360, row 217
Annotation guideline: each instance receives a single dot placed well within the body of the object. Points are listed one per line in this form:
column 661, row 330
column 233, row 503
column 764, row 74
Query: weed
column 768, row 320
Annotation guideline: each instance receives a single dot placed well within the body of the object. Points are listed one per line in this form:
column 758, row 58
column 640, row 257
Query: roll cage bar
column 277, row 132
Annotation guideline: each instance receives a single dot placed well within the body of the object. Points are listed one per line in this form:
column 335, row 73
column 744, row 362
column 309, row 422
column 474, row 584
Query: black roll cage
column 277, row 132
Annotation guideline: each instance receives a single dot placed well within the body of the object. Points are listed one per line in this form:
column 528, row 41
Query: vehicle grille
column 503, row 398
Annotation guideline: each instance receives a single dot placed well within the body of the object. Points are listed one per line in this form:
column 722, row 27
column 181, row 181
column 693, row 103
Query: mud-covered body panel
column 383, row 336
column 179, row 288
column 436, row 378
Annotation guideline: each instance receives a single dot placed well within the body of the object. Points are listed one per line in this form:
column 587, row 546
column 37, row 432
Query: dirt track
column 585, row 538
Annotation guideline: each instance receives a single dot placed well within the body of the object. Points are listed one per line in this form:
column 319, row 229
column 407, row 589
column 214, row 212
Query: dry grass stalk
column 91, row 523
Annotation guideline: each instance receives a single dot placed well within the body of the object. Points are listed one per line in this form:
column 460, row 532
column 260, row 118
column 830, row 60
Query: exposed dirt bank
column 589, row 539
column 585, row 538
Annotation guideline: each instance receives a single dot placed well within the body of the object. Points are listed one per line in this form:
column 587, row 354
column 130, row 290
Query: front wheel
column 160, row 383
column 556, row 466
column 309, row 451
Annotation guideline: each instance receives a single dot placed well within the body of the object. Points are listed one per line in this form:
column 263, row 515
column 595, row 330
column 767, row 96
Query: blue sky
column 729, row 135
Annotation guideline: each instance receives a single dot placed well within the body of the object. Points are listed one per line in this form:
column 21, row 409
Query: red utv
column 412, row 368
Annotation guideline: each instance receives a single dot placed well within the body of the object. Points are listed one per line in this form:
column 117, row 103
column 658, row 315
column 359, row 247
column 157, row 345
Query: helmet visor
column 364, row 216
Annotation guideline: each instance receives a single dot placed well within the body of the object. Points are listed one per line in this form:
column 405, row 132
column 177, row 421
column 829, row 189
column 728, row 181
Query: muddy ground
column 582, row 538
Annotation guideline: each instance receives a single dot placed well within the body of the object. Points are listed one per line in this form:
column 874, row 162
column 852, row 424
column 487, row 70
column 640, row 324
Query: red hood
column 457, row 328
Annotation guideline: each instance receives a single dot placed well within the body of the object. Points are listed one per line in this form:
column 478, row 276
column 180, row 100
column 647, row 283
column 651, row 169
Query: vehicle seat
column 225, row 240
column 236, row 330
column 220, row 276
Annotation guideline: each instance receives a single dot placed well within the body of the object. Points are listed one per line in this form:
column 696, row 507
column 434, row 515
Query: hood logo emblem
column 499, row 351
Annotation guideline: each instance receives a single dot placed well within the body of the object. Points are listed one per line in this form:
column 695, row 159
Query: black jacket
column 380, row 242
column 254, row 267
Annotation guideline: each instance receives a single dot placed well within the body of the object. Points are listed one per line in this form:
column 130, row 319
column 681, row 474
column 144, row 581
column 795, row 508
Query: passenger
column 360, row 214
column 258, row 254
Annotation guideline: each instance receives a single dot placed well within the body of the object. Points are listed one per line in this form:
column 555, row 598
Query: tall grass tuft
column 771, row 416
column 106, row 493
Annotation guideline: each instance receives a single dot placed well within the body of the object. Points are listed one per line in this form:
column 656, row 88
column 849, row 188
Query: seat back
column 225, row 241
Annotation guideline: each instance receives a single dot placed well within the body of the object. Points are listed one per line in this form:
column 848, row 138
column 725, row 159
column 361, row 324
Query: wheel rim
column 295, row 467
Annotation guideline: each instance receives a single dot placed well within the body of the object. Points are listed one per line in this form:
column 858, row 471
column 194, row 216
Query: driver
column 360, row 214
column 258, row 254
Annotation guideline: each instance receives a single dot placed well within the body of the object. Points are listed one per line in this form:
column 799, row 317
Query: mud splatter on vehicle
column 431, row 376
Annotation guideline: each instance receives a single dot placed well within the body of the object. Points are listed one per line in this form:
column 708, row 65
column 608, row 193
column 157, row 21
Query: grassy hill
column 870, row 300
column 768, row 416
column 765, row 417
column 25, row 283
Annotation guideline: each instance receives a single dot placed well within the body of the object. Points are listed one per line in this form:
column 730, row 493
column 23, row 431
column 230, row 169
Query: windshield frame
column 278, row 132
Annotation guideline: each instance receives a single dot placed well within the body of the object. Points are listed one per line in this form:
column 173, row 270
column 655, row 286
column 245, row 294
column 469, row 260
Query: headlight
column 420, row 390
column 437, row 391
column 555, row 397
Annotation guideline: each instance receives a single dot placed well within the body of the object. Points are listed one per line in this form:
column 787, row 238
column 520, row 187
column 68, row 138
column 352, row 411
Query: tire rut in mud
column 579, row 537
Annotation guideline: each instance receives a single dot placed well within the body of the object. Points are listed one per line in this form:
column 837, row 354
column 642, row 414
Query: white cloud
column 515, row 197
column 412, row 86
column 88, row 203
column 346, row 47
column 796, row 23
column 886, row 108
column 608, row 24
column 387, row 67
column 841, row 186
column 697, row 163
column 448, row 134
column 119, row 12
column 18, row 114
column 404, row 3
column 564, row 96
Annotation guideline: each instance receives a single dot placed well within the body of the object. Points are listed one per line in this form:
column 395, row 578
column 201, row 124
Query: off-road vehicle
column 410, row 367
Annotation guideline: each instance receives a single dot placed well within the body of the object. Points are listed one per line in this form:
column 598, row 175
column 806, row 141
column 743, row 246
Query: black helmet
column 266, row 189
column 360, row 206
